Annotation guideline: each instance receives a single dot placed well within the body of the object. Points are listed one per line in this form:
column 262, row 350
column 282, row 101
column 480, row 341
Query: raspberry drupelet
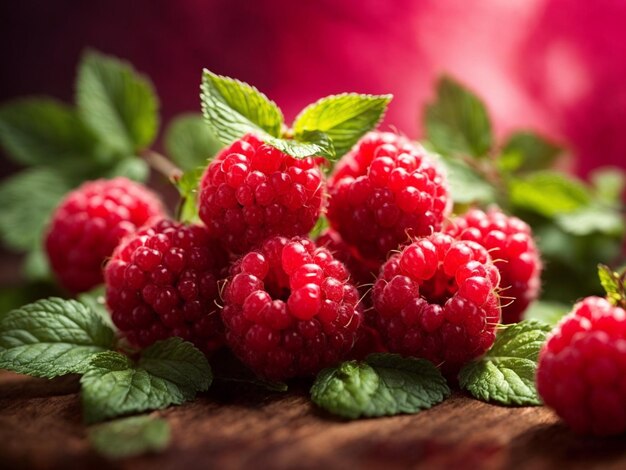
column 289, row 309
column 510, row 243
column 437, row 299
column 162, row 282
column 252, row 191
column 385, row 190
column 582, row 368
column 89, row 223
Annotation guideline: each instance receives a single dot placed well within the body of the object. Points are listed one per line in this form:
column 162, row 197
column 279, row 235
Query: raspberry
column 88, row 224
column 437, row 299
column 362, row 272
column 582, row 368
column 384, row 191
column 510, row 243
column 162, row 282
column 252, row 191
column 289, row 309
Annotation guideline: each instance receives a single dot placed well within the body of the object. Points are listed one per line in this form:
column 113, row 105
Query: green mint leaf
column 129, row 437
column 189, row 142
column 96, row 302
column 26, row 202
column 382, row 385
column 233, row 109
column 546, row 311
column 343, row 118
column 525, row 151
column 35, row 267
column 133, row 168
column 548, row 193
column 457, row 122
column 118, row 104
column 51, row 337
column 592, row 219
column 42, row 131
column 310, row 144
column 609, row 184
column 466, row 185
column 506, row 374
column 613, row 284
column 187, row 186
column 169, row 372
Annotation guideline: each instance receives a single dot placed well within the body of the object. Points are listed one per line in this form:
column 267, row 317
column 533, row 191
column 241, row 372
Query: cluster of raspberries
column 392, row 272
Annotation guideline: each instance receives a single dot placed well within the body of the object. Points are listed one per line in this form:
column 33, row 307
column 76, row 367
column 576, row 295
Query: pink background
column 555, row 66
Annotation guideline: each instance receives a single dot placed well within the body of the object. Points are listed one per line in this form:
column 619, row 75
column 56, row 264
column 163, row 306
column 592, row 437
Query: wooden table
column 241, row 426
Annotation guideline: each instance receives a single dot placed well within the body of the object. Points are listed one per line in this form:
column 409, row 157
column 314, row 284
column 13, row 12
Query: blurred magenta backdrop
column 555, row 66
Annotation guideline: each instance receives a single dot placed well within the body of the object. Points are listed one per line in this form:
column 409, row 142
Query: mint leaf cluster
column 54, row 337
column 169, row 372
column 506, row 374
column 381, row 385
column 577, row 224
column 327, row 128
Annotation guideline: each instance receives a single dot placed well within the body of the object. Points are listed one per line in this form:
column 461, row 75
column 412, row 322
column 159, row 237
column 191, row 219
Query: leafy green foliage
column 51, row 337
column 189, row 142
column 43, row 131
column 118, row 104
column 129, row 437
column 546, row 311
column 95, row 301
column 233, row 109
column 506, row 374
column 320, row 227
column 549, row 193
column 592, row 219
column 609, row 184
column 457, row 122
column 614, row 284
column 187, row 186
column 525, row 151
column 382, row 385
column 466, row 185
column 343, row 118
column 26, row 202
column 169, row 372
column 310, row 143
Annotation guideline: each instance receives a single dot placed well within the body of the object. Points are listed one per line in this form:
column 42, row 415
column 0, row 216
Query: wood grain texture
column 239, row 426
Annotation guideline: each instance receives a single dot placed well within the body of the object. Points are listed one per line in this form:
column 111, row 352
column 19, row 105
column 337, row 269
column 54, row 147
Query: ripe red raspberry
column 162, row 282
column 510, row 243
column 289, row 309
column 437, row 300
column 582, row 368
column 362, row 272
column 252, row 191
column 385, row 190
column 89, row 223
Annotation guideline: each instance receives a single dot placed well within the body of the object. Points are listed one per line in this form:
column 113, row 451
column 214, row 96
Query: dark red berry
column 252, row 191
column 437, row 299
column 163, row 281
column 511, row 246
column 384, row 191
column 89, row 223
column 582, row 368
column 289, row 310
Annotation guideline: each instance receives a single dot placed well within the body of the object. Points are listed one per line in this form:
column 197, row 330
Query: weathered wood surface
column 245, row 427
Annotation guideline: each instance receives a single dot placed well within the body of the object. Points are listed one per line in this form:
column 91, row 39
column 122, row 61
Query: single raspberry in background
column 582, row 368
column 163, row 281
column 252, row 191
column 289, row 309
column 437, row 299
column 385, row 190
column 510, row 244
column 89, row 223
